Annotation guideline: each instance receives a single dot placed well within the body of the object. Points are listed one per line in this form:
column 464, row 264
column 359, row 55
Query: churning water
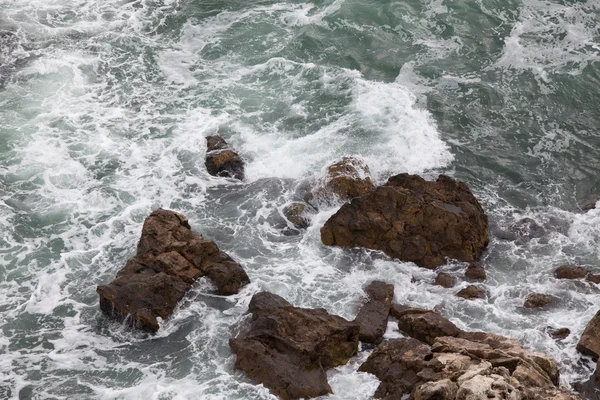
column 104, row 106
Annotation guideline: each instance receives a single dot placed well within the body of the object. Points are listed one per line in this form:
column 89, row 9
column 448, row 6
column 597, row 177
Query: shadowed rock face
column 288, row 349
column 221, row 160
column 413, row 220
column 373, row 315
column 170, row 257
column 589, row 343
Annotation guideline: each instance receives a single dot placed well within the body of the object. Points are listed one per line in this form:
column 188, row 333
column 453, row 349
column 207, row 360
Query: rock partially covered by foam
column 288, row 349
column 413, row 220
column 170, row 257
column 221, row 160
column 344, row 180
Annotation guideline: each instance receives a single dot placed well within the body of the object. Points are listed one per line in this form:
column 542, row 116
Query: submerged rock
column 288, row 349
column 475, row 272
column 560, row 333
column 170, row 257
column 345, row 179
column 373, row 315
column 222, row 160
column 570, row 272
column 411, row 219
column 298, row 214
column 444, row 280
column 589, row 343
column 471, row 292
column 537, row 300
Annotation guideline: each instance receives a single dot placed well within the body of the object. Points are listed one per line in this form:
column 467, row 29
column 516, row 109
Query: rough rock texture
column 298, row 214
column 471, row 292
column 373, row 315
column 426, row 327
column 221, row 160
column 345, row 180
column 413, row 220
column 444, row 280
column 570, row 272
column 536, row 300
column 476, row 272
column 594, row 278
column 288, row 349
column 589, row 343
column 472, row 366
column 399, row 310
column 560, row 333
column 170, row 257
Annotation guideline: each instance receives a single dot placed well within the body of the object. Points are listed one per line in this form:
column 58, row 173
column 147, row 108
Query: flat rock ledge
column 415, row 220
column 170, row 257
column 288, row 349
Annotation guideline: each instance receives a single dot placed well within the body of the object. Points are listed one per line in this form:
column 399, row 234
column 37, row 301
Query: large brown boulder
column 415, row 220
column 344, row 180
column 222, row 160
column 570, row 272
column 426, row 327
column 288, row 349
column 170, row 257
column 373, row 315
column 589, row 343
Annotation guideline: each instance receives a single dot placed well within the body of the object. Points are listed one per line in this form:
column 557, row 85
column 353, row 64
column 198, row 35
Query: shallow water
column 104, row 106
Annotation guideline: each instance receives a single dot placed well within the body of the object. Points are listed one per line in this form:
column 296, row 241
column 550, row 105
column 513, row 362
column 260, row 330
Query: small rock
column 570, row 272
column 476, row 272
column 298, row 214
column 373, row 315
column 221, row 160
column 560, row 333
column 589, row 343
column 594, row 278
column 444, row 280
column 471, row 292
column 536, row 300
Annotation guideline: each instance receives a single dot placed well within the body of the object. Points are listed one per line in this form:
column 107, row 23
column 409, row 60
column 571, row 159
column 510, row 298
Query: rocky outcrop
column 344, row 180
column 570, row 272
column 426, row 326
column 475, row 272
column 471, row 292
column 589, row 343
column 288, row 349
column 170, row 257
column 221, row 160
column 373, row 315
column 444, row 280
column 537, row 300
column 470, row 366
column 411, row 219
column 298, row 214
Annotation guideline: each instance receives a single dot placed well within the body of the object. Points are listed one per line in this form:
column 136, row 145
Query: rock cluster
column 221, row 160
column 169, row 258
column 415, row 220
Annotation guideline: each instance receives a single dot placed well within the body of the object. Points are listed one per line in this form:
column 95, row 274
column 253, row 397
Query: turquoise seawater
column 104, row 106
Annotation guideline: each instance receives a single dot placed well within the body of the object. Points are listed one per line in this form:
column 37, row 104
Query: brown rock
column 288, row 349
column 536, row 300
column 471, row 292
column 298, row 214
column 221, row 160
column 589, row 343
column 594, row 278
column 345, row 179
column 398, row 310
column 170, row 257
column 476, row 272
column 426, row 327
column 570, row 272
column 444, row 280
column 560, row 333
column 413, row 220
column 443, row 389
column 373, row 315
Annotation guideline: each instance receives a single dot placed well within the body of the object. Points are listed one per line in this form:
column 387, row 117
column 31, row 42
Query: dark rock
column 537, row 300
column 413, row 220
column 345, row 179
column 475, row 272
column 288, row 349
column 170, row 257
column 471, row 292
column 594, row 278
column 398, row 310
column 589, row 343
column 560, row 333
column 589, row 204
column 221, row 160
column 373, row 315
column 427, row 326
column 298, row 214
column 444, row 280
column 570, row 272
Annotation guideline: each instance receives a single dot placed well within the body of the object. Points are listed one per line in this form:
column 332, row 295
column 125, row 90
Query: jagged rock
column 413, row 220
column 471, row 292
column 398, row 310
column 288, row 349
column 537, row 300
column 594, row 278
column 221, row 160
column 589, row 343
column 444, row 280
column 443, row 389
column 560, row 333
column 570, row 272
column 298, row 214
column 476, row 272
column 427, row 326
column 344, row 180
column 373, row 315
column 170, row 257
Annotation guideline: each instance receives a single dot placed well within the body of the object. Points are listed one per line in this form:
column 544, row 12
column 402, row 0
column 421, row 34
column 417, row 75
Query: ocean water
column 104, row 106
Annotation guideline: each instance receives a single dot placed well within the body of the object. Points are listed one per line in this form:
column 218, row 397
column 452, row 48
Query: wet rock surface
column 570, row 272
column 475, row 272
column 221, row 160
column 427, row 326
column 288, row 349
column 170, row 257
column 444, row 280
column 373, row 315
column 298, row 214
column 589, row 343
column 560, row 333
column 538, row 300
column 415, row 220
column 472, row 292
